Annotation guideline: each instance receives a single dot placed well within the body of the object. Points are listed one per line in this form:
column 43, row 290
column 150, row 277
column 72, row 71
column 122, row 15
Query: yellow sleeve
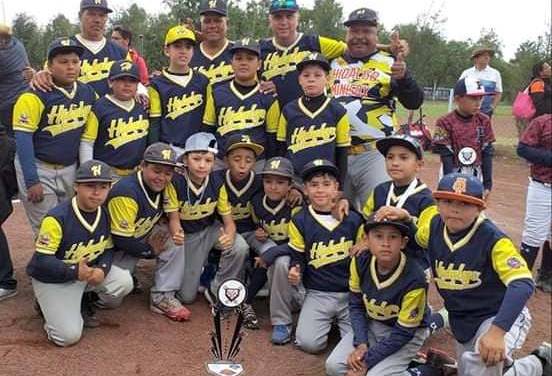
column 210, row 114
column 155, row 102
column 508, row 262
column 413, row 308
column 296, row 240
column 170, row 201
column 282, row 126
column 369, row 206
column 360, row 234
column 49, row 236
column 426, row 215
column 332, row 48
column 223, row 204
column 122, row 213
column 109, row 243
column 424, row 226
column 273, row 117
column 90, row 128
column 343, row 137
column 27, row 112
column 354, row 278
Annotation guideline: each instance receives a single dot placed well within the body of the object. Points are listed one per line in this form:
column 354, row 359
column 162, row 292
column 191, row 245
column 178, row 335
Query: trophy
column 231, row 294
column 467, row 157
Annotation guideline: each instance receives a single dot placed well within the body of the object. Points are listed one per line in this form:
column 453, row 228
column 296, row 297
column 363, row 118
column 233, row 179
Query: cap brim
column 165, row 163
column 483, row 51
column 326, row 66
column 214, row 11
column 233, row 50
column 313, row 170
column 278, row 10
column 350, row 23
column 66, row 49
column 107, row 10
column 94, row 180
column 405, row 231
column 384, row 144
column 277, row 173
column 206, row 150
column 257, row 149
column 183, row 38
column 459, row 197
column 120, row 75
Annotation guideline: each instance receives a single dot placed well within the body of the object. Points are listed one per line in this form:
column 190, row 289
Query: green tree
column 325, row 18
column 26, row 30
column 60, row 26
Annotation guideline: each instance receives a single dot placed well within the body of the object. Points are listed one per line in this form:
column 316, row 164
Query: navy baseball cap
column 461, row 187
column 384, row 144
column 64, row 45
column 237, row 141
column 98, row 4
column 319, row 165
column 124, row 68
column 314, row 59
column 471, row 87
column 247, row 44
column 160, row 153
column 371, row 223
column 93, row 171
column 278, row 166
column 362, row 16
column 219, row 7
column 283, row 5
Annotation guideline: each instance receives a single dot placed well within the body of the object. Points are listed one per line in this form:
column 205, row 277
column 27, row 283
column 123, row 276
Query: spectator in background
column 123, row 37
column 540, row 88
column 487, row 76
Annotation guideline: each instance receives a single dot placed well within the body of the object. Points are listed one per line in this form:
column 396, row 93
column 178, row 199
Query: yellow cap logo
column 459, row 186
column 212, row 3
column 125, row 66
column 65, row 42
column 274, row 165
column 98, row 2
column 166, row 154
column 245, row 138
column 318, row 162
column 96, row 170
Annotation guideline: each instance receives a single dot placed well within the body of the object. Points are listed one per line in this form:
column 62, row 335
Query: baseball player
column 212, row 56
column 484, row 281
column 320, row 259
column 48, row 127
column 117, row 128
column 178, row 95
column 464, row 136
column 74, row 255
column 315, row 126
column 535, row 146
column 388, row 306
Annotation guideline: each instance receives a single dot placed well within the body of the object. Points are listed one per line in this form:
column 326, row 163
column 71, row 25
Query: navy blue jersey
column 119, row 134
column 133, row 209
column 95, row 66
column 197, row 206
column 273, row 217
column 217, row 68
column 471, row 271
column 56, row 119
column 400, row 298
column 253, row 114
column 309, row 136
column 180, row 106
column 280, row 63
column 324, row 248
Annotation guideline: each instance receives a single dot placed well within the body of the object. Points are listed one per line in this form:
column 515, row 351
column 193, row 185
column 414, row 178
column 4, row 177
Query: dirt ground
column 134, row 341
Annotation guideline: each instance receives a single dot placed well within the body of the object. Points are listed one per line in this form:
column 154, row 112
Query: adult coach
column 489, row 77
column 123, row 37
column 99, row 53
column 367, row 81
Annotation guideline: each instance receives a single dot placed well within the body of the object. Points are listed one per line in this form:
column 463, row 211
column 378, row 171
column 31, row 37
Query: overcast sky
column 465, row 18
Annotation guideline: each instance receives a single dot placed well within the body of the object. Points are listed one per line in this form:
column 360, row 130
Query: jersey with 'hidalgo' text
column 217, row 68
column 273, row 217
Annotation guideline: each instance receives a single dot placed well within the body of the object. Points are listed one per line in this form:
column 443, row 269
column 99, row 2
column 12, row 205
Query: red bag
column 417, row 130
column 523, row 107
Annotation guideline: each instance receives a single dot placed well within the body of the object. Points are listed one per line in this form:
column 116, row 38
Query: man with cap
column 212, row 56
column 488, row 76
column 135, row 205
column 367, row 81
column 117, row 128
column 74, row 254
column 99, row 53
column 178, row 95
column 48, row 127
column 238, row 107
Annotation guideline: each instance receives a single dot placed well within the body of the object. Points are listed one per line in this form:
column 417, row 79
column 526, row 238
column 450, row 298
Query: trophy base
column 224, row 368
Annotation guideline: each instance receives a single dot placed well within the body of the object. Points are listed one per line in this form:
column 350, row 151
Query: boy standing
column 464, row 137
column 116, row 130
column 48, row 127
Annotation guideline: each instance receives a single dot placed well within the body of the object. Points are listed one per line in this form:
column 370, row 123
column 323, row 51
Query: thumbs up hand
column 399, row 48
column 226, row 240
column 294, row 275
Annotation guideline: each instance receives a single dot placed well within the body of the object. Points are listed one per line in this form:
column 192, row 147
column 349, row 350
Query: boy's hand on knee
column 35, row 193
column 96, row 277
column 259, row 263
column 261, row 235
column 85, row 271
column 157, row 241
column 355, row 360
column 492, row 348
column 294, row 275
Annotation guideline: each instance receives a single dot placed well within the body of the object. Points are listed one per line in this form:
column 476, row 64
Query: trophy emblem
column 467, row 156
column 231, row 294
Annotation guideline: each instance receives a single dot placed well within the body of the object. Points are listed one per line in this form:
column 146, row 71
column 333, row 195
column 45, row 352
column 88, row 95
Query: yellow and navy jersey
column 253, row 114
column 325, row 247
column 95, row 64
column 198, row 206
column 280, row 63
column 180, row 105
column 273, row 217
column 133, row 209
column 240, row 196
column 72, row 235
column 56, row 119
column 471, row 271
column 310, row 136
column 398, row 298
column 217, row 68
column 365, row 89
column 119, row 132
